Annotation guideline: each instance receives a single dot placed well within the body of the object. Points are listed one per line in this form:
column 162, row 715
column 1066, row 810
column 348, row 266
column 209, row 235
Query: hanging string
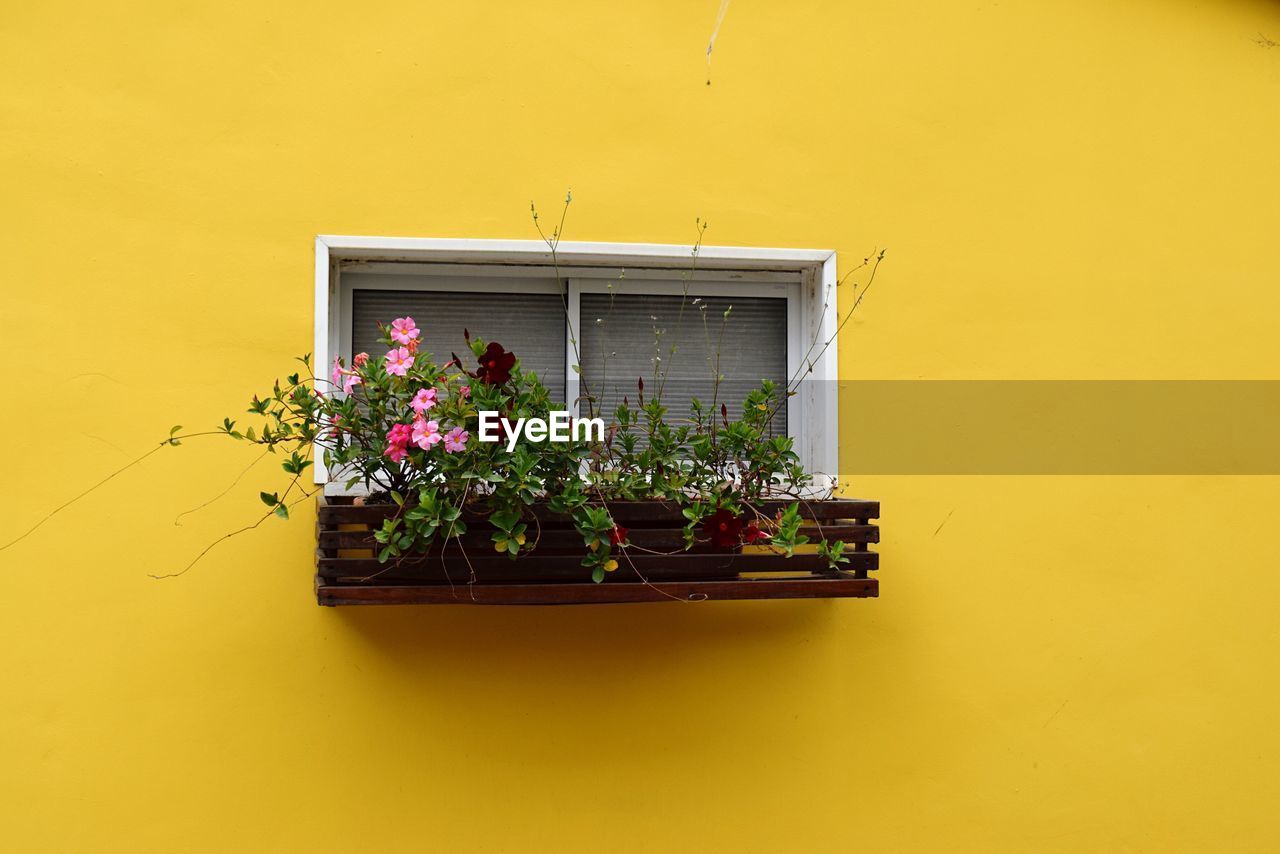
column 724, row 7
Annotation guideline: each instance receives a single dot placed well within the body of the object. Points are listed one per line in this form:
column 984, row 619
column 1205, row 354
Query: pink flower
column 399, row 361
column 464, row 390
column 399, row 434
column 360, row 359
column 423, row 400
column 344, row 378
column 426, row 433
column 398, row 442
column 404, row 330
column 455, row 440
column 335, row 428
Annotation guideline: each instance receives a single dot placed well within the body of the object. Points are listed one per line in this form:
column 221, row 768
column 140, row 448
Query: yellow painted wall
column 1070, row 189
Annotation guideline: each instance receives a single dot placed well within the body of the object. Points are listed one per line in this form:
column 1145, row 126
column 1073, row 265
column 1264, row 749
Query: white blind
column 531, row 325
column 622, row 333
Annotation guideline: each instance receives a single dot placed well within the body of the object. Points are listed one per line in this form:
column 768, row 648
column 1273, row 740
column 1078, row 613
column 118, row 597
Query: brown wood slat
column 589, row 593
column 548, row 577
column 559, row 541
column 625, row 512
column 551, row 567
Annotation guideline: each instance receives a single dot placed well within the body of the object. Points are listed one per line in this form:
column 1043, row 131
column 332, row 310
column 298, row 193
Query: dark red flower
column 618, row 535
column 723, row 529
column 753, row 534
column 496, row 364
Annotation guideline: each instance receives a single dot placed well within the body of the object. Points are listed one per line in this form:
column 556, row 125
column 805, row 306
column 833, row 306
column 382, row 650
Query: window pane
column 622, row 333
column 530, row 325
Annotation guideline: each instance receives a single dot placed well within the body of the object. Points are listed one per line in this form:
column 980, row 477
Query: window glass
column 531, row 325
column 622, row 333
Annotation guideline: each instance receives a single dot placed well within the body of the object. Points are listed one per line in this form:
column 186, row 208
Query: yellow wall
column 1070, row 189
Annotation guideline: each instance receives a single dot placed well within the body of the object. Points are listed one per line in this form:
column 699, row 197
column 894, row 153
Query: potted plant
column 469, row 494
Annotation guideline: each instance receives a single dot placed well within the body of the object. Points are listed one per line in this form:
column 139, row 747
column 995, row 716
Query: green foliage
column 509, row 537
column 708, row 464
column 786, row 534
column 833, row 551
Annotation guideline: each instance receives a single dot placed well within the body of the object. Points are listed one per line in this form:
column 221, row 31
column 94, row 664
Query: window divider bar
column 573, row 333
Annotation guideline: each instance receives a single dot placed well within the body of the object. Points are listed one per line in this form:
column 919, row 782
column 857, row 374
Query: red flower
column 723, row 528
column 753, row 534
column 496, row 364
column 618, row 535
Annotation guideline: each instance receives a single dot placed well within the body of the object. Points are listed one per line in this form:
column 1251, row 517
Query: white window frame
column 805, row 277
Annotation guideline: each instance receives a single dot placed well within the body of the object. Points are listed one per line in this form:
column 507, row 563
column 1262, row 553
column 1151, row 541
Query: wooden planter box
column 348, row 572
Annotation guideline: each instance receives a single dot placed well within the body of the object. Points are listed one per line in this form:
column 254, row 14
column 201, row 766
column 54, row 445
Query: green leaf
column 269, row 499
column 282, row 511
column 597, row 574
column 504, row 519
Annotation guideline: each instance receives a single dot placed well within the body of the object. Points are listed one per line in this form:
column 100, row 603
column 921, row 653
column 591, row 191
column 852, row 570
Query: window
column 637, row 327
column 606, row 309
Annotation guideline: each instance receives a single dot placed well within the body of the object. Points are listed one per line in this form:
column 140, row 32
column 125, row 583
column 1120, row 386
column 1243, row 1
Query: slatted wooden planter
column 348, row 572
